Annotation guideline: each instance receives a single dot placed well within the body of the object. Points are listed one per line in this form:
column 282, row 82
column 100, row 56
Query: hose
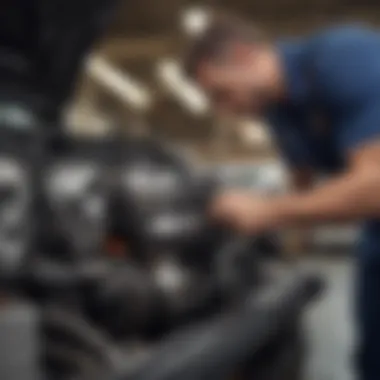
column 214, row 349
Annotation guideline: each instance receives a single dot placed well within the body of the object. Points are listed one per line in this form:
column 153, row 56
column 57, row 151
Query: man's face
column 238, row 84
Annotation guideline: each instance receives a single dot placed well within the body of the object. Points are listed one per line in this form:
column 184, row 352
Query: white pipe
column 170, row 74
column 194, row 20
column 120, row 83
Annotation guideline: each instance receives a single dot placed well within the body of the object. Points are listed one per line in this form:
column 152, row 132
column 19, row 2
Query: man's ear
column 240, row 51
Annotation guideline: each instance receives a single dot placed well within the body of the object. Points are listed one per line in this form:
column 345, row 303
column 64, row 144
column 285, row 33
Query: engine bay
column 179, row 297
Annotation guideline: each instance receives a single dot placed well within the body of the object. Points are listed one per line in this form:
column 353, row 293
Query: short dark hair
column 211, row 44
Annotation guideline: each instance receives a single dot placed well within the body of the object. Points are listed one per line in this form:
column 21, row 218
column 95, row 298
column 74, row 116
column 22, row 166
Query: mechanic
column 321, row 96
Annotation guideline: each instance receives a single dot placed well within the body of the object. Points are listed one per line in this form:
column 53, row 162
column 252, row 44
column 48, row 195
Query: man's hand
column 246, row 212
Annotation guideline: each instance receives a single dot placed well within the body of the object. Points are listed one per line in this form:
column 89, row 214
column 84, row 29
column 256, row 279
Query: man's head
column 235, row 64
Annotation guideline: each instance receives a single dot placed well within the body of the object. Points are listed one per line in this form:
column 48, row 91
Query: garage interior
column 140, row 53
column 132, row 84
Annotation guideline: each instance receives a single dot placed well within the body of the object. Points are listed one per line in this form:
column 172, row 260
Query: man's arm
column 353, row 195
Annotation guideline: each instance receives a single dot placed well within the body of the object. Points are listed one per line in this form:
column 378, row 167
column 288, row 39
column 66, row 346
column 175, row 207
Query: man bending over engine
column 321, row 96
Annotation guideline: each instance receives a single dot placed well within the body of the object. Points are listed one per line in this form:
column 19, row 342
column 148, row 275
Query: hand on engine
column 246, row 212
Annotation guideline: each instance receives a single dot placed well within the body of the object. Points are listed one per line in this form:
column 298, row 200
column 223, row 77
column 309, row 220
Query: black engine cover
column 20, row 163
column 77, row 190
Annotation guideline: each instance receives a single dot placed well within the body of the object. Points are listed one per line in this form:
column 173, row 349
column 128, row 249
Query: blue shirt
column 333, row 102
